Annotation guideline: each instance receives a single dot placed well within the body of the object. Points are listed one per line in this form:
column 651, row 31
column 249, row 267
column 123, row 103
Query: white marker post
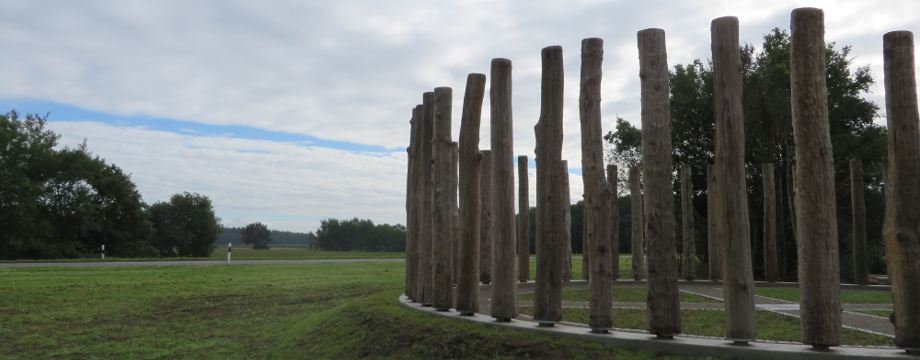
column 229, row 250
column 103, row 251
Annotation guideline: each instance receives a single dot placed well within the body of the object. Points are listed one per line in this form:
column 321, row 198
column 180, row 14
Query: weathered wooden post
column 858, row 197
column 689, row 232
column 470, row 202
column 567, row 204
column 663, row 299
column 638, row 223
column 485, row 223
column 411, row 207
column 504, row 294
column 738, row 287
column 770, row 258
column 712, row 201
column 614, row 222
column 426, row 269
column 585, row 259
column 552, row 190
column 523, row 223
column 597, row 192
column 815, row 204
column 442, row 214
column 454, row 209
column 902, row 189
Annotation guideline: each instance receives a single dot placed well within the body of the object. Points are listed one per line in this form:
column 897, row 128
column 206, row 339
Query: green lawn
column 846, row 296
column 622, row 293
column 310, row 311
column 247, row 253
column 770, row 326
column 625, row 267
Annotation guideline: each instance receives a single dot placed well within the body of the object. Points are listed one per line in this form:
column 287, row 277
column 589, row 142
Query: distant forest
column 279, row 237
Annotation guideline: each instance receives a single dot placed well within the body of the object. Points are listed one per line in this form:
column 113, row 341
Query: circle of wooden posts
column 476, row 239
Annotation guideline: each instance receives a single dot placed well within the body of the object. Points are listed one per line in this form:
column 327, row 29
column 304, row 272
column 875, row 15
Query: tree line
column 360, row 235
column 768, row 139
column 67, row 203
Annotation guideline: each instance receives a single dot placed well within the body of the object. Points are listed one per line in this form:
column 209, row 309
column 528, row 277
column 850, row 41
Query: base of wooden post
column 912, row 351
column 600, row 331
column 441, row 309
column 545, row 324
column 467, row 313
column 740, row 342
column 427, row 305
column 503, row 320
column 822, row 348
column 664, row 337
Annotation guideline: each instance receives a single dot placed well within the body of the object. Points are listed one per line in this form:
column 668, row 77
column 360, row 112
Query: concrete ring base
column 680, row 345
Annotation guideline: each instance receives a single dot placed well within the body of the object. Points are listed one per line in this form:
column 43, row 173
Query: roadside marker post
column 103, row 251
column 229, row 251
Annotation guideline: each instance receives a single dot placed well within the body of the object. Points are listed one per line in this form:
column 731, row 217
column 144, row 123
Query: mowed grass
column 770, row 326
column 846, row 296
column 625, row 267
column 247, row 253
column 623, row 294
column 309, row 311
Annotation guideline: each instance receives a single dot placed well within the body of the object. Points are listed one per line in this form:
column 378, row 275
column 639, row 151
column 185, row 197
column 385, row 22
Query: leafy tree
column 257, row 235
column 360, row 235
column 768, row 136
column 63, row 203
column 184, row 226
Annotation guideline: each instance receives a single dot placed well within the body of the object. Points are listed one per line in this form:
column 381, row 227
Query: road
column 191, row 263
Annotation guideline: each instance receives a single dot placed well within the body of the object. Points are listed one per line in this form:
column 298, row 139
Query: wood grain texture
column 712, row 221
column 467, row 301
column 523, row 221
column 858, row 203
column 443, row 212
column 688, row 241
column 738, row 281
column 504, row 294
column 411, row 206
column 552, row 191
column 485, row 215
column 902, row 189
column 663, row 298
column 637, row 235
column 614, row 222
column 454, row 210
column 426, row 267
column 815, row 203
column 597, row 192
column 567, row 201
column 770, row 257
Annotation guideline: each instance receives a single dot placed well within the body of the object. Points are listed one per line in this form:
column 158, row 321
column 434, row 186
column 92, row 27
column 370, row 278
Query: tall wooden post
column 858, row 197
column 663, row 299
column 712, row 220
column 454, row 209
column 411, row 207
column 485, row 229
column 585, row 244
column 815, row 204
column 426, row 269
column 770, row 257
column 523, row 223
column 689, row 232
column 902, row 189
column 738, row 287
column 442, row 214
column 470, row 202
column 597, row 192
column 637, row 234
column 567, row 204
column 614, row 222
column 552, row 192
column 504, row 294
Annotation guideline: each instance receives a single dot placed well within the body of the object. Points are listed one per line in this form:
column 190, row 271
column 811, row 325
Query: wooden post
column 858, row 197
column 689, row 233
column 425, row 272
column 663, row 297
column 585, row 259
column 738, row 287
column 902, row 189
column 442, row 214
column 567, row 203
column 770, row 256
column 712, row 220
column 815, row 203
column 504, row 294
column 597, row 192
column 470, row 202
column 454, row 210
column 412, row 204
column 523, row 223
column 552, row 192
column 485, row 230
column 614, row 222
column 638, row 223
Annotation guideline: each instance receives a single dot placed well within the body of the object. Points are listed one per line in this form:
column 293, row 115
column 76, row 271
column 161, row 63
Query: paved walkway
column 850, row 319
column 191, row 263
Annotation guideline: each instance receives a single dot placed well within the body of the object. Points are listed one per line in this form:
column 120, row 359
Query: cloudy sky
column 288, row 112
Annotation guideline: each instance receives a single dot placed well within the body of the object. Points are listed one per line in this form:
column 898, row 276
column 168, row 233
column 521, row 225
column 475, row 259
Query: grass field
column 247, row 253
column 846, row 296
column 312, row 311
column 636, row 293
